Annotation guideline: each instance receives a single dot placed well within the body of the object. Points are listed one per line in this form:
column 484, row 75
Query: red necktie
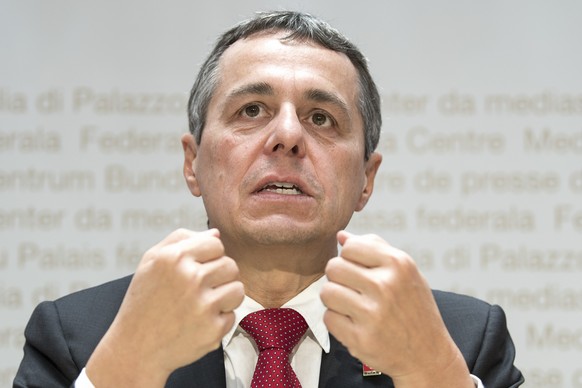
column 276, row 332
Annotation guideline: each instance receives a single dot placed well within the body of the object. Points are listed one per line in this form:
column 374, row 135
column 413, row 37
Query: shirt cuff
column 477, row 381
column 84, row 382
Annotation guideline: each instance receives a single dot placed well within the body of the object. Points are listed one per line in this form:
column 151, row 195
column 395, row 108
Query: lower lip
column 272, row 195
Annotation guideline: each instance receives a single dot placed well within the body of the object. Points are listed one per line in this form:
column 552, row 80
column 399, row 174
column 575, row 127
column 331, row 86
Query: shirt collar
column 307, row 303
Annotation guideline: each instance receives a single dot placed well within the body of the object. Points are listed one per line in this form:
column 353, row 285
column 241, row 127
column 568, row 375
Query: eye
column 252, row 110
column 321, row 119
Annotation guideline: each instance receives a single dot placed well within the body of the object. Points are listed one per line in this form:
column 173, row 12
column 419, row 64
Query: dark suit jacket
column 61, row 336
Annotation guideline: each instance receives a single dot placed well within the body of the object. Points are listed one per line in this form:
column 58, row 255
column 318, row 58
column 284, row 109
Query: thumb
column 213, row 232
column 342, row 236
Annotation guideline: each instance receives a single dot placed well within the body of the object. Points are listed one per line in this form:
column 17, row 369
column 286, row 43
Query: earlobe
column 190, row 151
column 372, row 165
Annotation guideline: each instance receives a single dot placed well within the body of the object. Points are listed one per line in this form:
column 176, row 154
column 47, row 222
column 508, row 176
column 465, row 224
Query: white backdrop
column 482, row 143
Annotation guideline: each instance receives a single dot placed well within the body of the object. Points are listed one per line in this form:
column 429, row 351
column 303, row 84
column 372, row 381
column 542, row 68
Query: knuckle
column 329, row 293
column 332, row 267
column 149, row 255
column 209, row 246
column 204, row 308
column 327, row 320
column 197, row 275
column 381, row 282
column 239, row 291
column 368, row 310
column 325, row 293
column 158, row 260
column 223, row 270
column 406, row 263
column 230, row 265
column 400, row 255
column 181, row 232
column 228, row 322
column 374, row 237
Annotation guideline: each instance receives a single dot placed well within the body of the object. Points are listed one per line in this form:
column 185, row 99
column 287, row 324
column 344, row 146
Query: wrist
column 453, row 373
column 114, row 363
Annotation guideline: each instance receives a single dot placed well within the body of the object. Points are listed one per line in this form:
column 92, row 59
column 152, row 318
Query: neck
column 274, row 290
column 273, row 275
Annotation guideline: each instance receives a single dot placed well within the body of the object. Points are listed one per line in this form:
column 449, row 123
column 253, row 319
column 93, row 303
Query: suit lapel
column 208, row 372
column 340, row 370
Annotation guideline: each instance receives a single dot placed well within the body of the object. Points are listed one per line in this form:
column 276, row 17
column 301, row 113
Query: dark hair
column 300, row 26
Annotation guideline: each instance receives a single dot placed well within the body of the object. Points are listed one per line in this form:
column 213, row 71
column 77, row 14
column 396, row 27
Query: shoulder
column 86, row 315
column 473, row 324
column 463, row 314
column 61, row 334
column 460, row 306
column 469, row 312
column 93, row 308
column 103, row 297
column 480, row 331
column 88, row 304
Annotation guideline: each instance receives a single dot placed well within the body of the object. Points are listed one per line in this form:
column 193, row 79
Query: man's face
column 281, row 160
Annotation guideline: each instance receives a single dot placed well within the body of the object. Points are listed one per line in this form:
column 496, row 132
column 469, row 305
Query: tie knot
column 280, row 328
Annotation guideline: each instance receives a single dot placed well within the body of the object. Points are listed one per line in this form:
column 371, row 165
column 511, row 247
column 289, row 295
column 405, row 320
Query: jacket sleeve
column 47, row 360
column 494, row 363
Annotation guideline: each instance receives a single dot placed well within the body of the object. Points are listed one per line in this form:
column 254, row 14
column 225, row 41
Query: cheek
column 346, row 180
column 209, row 168
column 222, row 165
column 352, row 177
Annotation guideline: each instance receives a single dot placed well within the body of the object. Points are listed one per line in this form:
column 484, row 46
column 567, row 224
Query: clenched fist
column 382, row 309
column 178, row 307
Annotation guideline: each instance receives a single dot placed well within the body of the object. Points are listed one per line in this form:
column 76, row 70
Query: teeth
column 285, row 191
column 282, row 188
column 284, row 185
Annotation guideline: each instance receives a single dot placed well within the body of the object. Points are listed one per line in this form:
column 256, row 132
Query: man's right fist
column 178, row 307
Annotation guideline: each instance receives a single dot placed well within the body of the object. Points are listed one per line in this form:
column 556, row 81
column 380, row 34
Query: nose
column 287, row 135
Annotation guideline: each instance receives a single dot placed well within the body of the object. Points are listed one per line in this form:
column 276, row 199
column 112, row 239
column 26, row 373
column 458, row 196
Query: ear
column 372, row 165
column 190, row 150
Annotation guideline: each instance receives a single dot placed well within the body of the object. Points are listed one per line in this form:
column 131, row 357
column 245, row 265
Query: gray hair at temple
column 300, row 26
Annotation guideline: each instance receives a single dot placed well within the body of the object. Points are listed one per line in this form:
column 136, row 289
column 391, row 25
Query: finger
column 221, row 324
column 179, row 235
column 342, row 236
column 183, row 233
column 201, row 247
column 347, row 273
column 340, row 326
column 216, row 272
column 226, row 322
column 228, row 296
column 369, row 251
column 343, row 300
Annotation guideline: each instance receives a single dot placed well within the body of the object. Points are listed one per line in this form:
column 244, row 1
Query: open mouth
column 281, row 188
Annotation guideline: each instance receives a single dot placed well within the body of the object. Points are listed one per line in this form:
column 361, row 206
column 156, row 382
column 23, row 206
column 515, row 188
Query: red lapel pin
column 367, row 371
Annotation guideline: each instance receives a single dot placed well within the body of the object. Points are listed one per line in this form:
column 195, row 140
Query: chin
column 275, row 232
column 280, row 239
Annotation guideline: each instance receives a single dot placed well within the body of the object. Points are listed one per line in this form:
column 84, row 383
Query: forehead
column 269, row 56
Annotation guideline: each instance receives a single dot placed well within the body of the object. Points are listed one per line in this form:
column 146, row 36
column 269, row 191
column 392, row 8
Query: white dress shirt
column 241, row 352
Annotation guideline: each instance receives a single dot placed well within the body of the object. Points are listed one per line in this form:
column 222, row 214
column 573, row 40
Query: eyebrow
column 265, row 89
column 319, row 95
column 260, row 88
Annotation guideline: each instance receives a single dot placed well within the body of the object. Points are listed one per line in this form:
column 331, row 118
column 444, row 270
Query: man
column 284, row 119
